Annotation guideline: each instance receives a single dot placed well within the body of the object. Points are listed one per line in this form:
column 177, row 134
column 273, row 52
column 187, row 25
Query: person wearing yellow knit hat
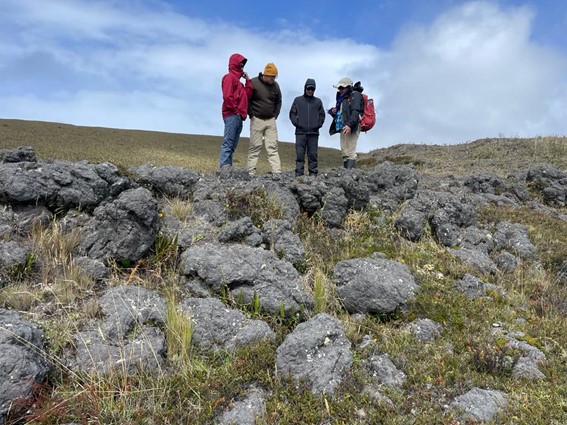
column 264, row 108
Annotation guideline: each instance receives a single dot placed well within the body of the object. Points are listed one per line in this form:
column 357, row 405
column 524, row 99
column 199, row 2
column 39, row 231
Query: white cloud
column 472, row 73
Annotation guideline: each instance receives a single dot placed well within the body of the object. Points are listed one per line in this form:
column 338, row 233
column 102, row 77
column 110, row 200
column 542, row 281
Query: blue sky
column 440, row 71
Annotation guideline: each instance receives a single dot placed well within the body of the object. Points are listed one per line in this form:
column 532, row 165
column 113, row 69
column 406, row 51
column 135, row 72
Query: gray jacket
column 307, row 113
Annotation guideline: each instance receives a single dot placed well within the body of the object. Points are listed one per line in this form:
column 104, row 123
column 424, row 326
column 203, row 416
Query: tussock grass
column 182, row 210
column 258, row 204
column 179, row 333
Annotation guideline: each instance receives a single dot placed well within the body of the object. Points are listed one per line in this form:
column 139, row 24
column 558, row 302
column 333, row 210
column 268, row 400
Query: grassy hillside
column 500, row 156
column 200, row 152
column 137, row 147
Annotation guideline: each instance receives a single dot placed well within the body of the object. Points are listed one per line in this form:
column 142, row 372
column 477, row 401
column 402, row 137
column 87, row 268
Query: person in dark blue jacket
column 307, row 116
column 346, row 119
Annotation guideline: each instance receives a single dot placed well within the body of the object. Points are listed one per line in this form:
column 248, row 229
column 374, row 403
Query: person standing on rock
column 346, row 119
column 235, row 97
column 264, row 109
column 307, row 116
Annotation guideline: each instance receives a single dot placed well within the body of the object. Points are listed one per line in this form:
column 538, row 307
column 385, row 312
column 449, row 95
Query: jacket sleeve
column 250, row 109
column 359, row 104
column 356, row 108
column 278, row 103
column 228, row 93
column 293, row 114
column 321, row 114
column 249, row 88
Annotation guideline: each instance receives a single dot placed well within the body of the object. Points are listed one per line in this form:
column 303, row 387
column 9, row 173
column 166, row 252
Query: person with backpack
column 346, row 114
column 307, row 116
column 235, row 97
column 368, row 118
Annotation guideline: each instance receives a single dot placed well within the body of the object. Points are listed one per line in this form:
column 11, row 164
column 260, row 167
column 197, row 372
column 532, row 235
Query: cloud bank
column 473, row 72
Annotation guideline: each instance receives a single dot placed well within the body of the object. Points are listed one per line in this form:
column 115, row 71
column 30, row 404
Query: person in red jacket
column 235, row 96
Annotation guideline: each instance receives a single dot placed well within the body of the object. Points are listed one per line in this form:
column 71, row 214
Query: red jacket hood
column 234, row 63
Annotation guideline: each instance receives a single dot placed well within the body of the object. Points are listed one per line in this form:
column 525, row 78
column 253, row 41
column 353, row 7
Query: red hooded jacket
column 235, row 95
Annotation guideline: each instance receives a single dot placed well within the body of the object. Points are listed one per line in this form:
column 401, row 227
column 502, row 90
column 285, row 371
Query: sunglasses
column 310, row 89
column 342, row 88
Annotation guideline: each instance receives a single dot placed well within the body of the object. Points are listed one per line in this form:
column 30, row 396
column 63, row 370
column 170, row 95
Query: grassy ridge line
column 137, row 147
column 200, row 152
column 500, row 156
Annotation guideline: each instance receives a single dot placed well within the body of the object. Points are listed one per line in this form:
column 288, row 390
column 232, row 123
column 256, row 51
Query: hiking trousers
column 303, row 143
column 232, row 130
column 263, row 132
column 348, row 144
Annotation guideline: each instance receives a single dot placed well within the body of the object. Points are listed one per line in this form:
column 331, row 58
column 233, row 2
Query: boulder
column 216, row 327
column 278, row 236
column 124, row 229
column 317, row 353
column 111, row 344
column 245, row 411
column 23, row 366
column 373, row 285
column 60, row 185
column 247, row 273
column 480, row 405
column 175, row 182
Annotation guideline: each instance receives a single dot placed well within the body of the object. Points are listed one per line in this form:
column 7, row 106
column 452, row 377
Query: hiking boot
column 224, row 170
column 350, row 163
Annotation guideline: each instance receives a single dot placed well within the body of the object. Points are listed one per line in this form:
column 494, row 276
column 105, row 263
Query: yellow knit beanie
column 270, row 70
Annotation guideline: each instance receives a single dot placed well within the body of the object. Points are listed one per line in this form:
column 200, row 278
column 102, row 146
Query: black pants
column 306, row 142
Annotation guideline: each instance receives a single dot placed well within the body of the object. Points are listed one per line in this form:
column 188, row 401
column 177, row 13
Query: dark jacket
column 351, row 108
column 266, row 100
column 307, row 113
column 235, row 95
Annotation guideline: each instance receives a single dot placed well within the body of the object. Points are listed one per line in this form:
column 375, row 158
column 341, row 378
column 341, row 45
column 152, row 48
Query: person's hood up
column 235, row 62
column 310, row 83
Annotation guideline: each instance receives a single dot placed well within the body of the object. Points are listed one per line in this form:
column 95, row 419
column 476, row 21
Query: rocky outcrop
column 552, row 183
column 60, row 185
column 232, row 262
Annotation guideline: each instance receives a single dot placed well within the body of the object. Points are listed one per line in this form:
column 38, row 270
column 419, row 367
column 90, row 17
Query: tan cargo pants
column 263, row 132
column 348, row 144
